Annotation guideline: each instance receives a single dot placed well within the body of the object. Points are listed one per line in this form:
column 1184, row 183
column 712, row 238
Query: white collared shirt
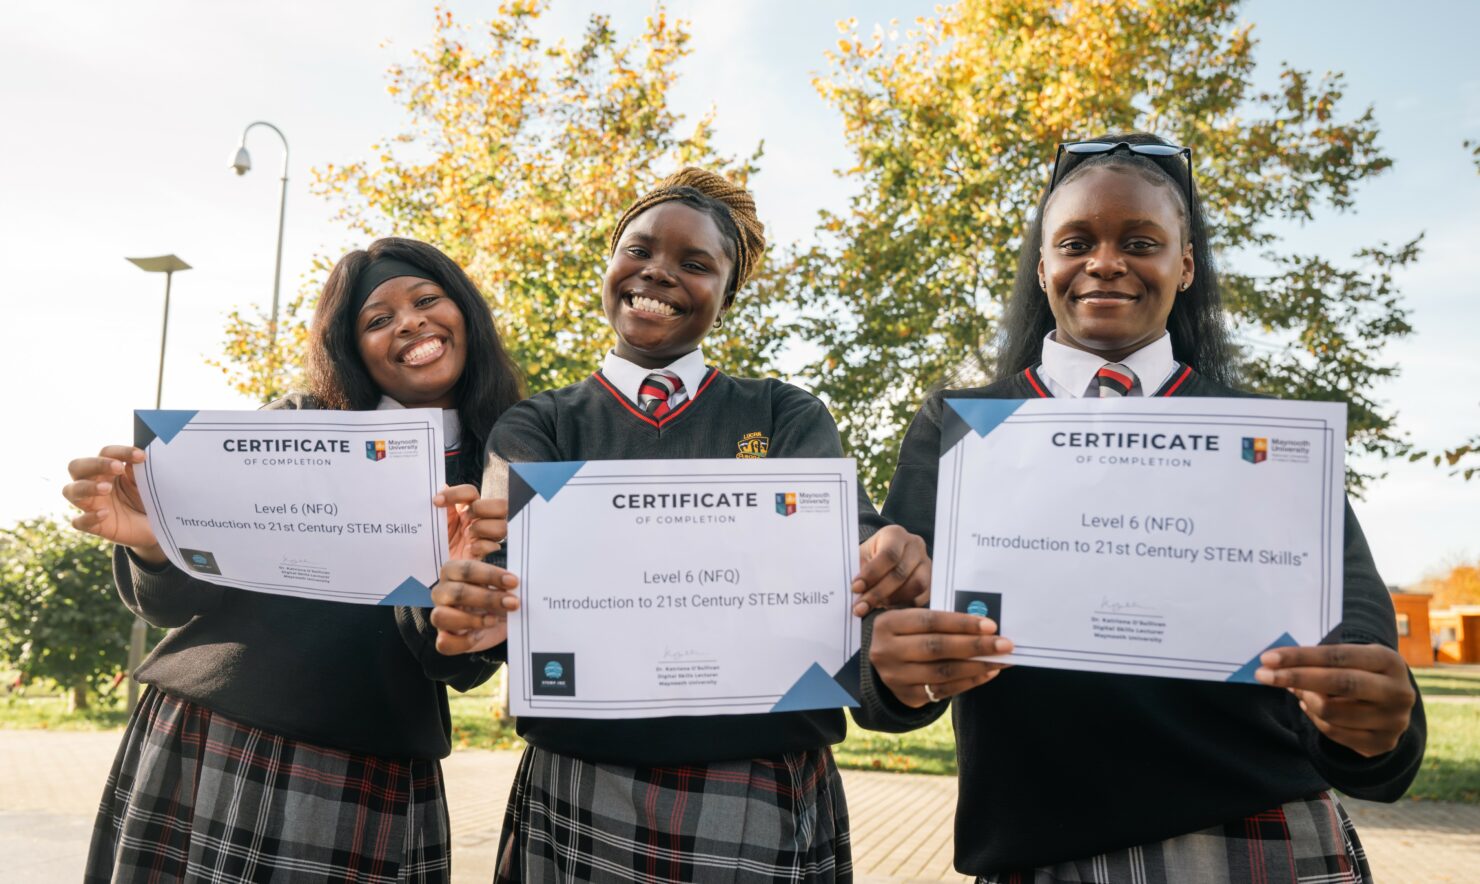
column 451, row 423
column 627, row 376
column 1070, row 372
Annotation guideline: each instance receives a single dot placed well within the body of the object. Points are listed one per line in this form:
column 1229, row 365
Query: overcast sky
column 120, row 122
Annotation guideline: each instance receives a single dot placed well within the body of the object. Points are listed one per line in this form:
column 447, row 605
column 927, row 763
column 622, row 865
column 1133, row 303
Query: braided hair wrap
column 731, row 205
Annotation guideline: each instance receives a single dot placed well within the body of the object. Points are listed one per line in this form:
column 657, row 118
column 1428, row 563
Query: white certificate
column 1171, row 537
column 682, row 587
column 331, row 505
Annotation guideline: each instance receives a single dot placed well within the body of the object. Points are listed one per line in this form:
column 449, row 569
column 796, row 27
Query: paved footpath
column 50, row 784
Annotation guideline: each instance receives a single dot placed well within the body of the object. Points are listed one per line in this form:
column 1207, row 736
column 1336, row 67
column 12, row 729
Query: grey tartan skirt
column 738, row 822
column 196, row 797
column 1303, row 842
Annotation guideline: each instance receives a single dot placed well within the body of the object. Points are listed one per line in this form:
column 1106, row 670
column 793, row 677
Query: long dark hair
column 1196, row 324
column 337, row 376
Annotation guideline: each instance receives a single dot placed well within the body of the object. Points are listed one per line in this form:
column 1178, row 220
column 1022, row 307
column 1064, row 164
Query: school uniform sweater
column 724, row 418
column 362, row 678
column 1058, row 765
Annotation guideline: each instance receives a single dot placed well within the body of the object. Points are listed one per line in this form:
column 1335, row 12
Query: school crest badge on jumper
column 752, row 445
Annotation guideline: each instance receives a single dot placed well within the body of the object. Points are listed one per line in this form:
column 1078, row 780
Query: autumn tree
column 517, row 156
column 1460, row 585
column 952, row 126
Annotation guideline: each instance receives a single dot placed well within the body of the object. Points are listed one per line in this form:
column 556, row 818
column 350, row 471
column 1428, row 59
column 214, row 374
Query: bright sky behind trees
column 120, row 121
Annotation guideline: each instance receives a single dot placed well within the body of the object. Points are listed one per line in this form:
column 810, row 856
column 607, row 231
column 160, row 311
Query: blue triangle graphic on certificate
column 851, row 676
column 520, row 494
column 984, row 415
column 814, row 690
column 412, row 593
column 165, row 424
column 548, row 478
column 1245, row 673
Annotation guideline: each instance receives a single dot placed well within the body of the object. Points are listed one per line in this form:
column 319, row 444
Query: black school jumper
column 1058, row 765
column 678, row 798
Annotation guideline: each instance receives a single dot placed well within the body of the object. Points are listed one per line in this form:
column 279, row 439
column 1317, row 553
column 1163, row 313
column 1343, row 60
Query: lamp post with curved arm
column 242, row 163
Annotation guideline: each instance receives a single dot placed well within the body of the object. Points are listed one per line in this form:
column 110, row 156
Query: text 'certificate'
column 681, row 587
column 1171, row 537
column 330, row 505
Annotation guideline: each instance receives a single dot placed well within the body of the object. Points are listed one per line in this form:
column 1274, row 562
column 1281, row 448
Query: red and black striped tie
column 1115, row 380
column 661, row 392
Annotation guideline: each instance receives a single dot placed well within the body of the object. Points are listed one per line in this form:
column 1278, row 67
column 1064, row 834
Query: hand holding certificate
column 1174, row 537
column 682, row 587
column 330, row 505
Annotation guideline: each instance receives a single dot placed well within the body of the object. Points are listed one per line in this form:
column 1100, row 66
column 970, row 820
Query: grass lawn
column 474, row 723
column 1451, row 763
column 1450, row 772
column 1451, row 767
column 1449, row 681
column 50, row 713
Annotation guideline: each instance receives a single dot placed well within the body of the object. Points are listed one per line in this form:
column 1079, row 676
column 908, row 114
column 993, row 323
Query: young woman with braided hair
column 1078, row 776
column 731, row 797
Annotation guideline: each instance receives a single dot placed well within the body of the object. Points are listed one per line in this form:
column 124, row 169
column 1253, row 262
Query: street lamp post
column 241, row 164
column 166, row 264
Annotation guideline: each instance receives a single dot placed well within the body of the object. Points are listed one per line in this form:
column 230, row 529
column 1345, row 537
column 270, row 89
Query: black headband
column 380, row 270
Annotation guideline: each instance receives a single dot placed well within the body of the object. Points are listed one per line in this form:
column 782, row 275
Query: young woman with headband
column 283, row 738
column 725, row 797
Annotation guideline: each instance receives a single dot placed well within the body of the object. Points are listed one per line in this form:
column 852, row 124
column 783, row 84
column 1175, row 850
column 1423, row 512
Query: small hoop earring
column 719, row 321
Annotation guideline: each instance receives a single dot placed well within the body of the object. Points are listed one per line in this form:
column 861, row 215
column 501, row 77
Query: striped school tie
column 661, row 392
column 1114, row 380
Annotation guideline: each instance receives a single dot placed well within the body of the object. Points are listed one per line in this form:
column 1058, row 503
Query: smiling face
column 412, row 341
column 1114, row 257
column 666, row 284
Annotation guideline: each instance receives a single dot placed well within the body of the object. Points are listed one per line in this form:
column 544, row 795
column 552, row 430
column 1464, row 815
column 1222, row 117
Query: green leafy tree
column 517, row 157
column 1464, row 458
column 952, row 126
column 60, row 617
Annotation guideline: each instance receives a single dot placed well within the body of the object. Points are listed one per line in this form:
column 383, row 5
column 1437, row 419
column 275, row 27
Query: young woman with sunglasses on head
column 283, row 738
column 1076, row 776
column 752, row 798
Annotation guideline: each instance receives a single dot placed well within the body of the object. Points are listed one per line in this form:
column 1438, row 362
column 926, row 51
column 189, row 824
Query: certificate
column 1171, row 537
column 330, row 505
column 682, row 587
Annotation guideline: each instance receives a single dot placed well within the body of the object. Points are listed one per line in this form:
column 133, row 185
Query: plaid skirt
column 194, row 796
column 1303, row 842
column 737, row 822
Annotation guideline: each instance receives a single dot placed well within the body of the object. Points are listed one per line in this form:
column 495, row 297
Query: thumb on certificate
column 458, row 497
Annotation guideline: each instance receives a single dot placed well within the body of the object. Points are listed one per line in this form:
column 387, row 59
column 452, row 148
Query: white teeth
column 422, row 352
column 652, row 305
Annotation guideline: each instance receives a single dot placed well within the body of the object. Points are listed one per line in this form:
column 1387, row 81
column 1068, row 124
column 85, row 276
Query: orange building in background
column 1456, row 633
column 1415, row 637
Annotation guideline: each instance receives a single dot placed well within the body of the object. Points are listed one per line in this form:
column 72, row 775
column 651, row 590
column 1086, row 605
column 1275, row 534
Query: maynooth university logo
column 1256, row 449
column 786, row 503
column 375, row 449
